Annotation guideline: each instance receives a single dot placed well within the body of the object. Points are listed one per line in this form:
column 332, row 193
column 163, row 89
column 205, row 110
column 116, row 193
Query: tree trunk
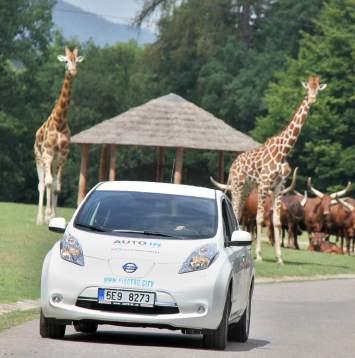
column 112, row 173
column 178, row 165
column 103, row 169
column 159, row 177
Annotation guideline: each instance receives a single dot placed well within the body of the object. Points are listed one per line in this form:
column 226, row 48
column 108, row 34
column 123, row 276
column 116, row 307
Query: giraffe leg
column 236, row 201
column 58, row 188
column 48, row 181
column 277, row 221
column 54, row 198
column 260, row 220
column 238, row 196
column 57, row 185
column 41, row 188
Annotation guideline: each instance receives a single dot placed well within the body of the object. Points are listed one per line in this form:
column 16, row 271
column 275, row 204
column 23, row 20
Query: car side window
column 227, row 224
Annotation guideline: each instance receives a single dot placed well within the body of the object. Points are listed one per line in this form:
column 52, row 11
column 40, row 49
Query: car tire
column 218, row 338
column 239, row 332
column 85, row 327
column 49, row 329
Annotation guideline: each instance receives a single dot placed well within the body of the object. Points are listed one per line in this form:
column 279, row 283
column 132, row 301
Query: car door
column 245, row 264
column 235, row 255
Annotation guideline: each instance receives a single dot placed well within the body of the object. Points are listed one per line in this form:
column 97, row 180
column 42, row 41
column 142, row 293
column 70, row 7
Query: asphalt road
column 304, row 319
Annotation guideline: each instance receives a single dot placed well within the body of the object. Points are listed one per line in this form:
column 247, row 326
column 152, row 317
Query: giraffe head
column 71, row 59
column 313, row 86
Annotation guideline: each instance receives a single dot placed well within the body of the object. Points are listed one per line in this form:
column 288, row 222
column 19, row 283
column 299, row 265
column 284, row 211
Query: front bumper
column 191, row 301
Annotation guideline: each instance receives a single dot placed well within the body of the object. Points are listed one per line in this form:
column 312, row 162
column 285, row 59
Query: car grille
column 93, row 305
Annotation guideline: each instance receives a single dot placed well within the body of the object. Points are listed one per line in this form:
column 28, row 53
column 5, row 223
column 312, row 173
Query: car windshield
column 149, row 214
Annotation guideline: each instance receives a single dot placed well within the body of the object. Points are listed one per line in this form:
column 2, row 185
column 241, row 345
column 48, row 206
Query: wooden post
column 83, row 172
column 221, row 167
column 103, row 163
column 112, row 173
column 160, row 164
column 178, row 165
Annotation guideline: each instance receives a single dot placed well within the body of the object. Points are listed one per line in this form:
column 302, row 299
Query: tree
column 25, row 29
column 190, row 35
column 326, row 149
column 233, row 81
column 226, row 52
column 25, row 34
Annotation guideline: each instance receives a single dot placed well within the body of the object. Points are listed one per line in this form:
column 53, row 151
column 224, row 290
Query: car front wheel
column 49, row 329
column 217, row 338
column 239, row 332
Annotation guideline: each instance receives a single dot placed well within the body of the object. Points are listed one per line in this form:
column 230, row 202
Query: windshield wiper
column 144, row 232
column 91, row 227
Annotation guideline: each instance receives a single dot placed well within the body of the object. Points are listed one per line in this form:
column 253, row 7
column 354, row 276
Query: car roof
column 154, row 187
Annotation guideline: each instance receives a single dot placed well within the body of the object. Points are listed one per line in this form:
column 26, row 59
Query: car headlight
column 200, row 259
column 70, row 250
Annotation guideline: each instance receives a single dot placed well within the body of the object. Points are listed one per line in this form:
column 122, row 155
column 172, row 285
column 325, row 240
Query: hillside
column 75, row 22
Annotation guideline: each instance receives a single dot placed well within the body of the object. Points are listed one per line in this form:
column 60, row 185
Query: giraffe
column 52, row 141
column 266, row 166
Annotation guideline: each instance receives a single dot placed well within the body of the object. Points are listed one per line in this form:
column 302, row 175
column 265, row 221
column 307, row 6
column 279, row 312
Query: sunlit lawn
column 303, row 262
column 23, row 246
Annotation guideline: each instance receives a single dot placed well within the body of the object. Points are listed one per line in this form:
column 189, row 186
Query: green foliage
column 326, row 146
column 106, row 84
column 239, row 62
column 25, row 34
column 202, row 28
column 25, row 29
column 225, row 55
column 10, row 178
column 233, row 81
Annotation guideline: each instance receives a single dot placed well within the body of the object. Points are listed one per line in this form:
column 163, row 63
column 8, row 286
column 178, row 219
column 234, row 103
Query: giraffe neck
column 59, row 113
column 288, row 137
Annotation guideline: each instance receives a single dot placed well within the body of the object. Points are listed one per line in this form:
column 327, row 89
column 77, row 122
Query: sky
column 122, row 11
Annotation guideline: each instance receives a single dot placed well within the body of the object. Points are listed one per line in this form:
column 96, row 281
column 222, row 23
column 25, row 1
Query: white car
column 150, row 255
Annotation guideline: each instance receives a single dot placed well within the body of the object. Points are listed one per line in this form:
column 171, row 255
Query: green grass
column 302, row 262
column 23, row 246
column 15, row 318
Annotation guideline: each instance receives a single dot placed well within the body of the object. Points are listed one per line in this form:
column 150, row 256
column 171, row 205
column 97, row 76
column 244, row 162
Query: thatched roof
column 168, row 121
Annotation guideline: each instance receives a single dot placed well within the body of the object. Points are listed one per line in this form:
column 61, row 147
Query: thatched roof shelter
column 168, row 121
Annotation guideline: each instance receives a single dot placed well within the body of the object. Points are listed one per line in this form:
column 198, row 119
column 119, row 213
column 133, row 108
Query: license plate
column 125, row 297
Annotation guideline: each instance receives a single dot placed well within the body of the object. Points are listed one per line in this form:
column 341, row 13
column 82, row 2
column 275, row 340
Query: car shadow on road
column 251, row 344
column 172, row 340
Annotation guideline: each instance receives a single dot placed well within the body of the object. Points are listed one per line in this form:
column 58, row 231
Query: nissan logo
column 130, row 267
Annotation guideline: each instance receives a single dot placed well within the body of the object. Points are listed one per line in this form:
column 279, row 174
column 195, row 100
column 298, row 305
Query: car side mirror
column 240, row 238
column 57, row 225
